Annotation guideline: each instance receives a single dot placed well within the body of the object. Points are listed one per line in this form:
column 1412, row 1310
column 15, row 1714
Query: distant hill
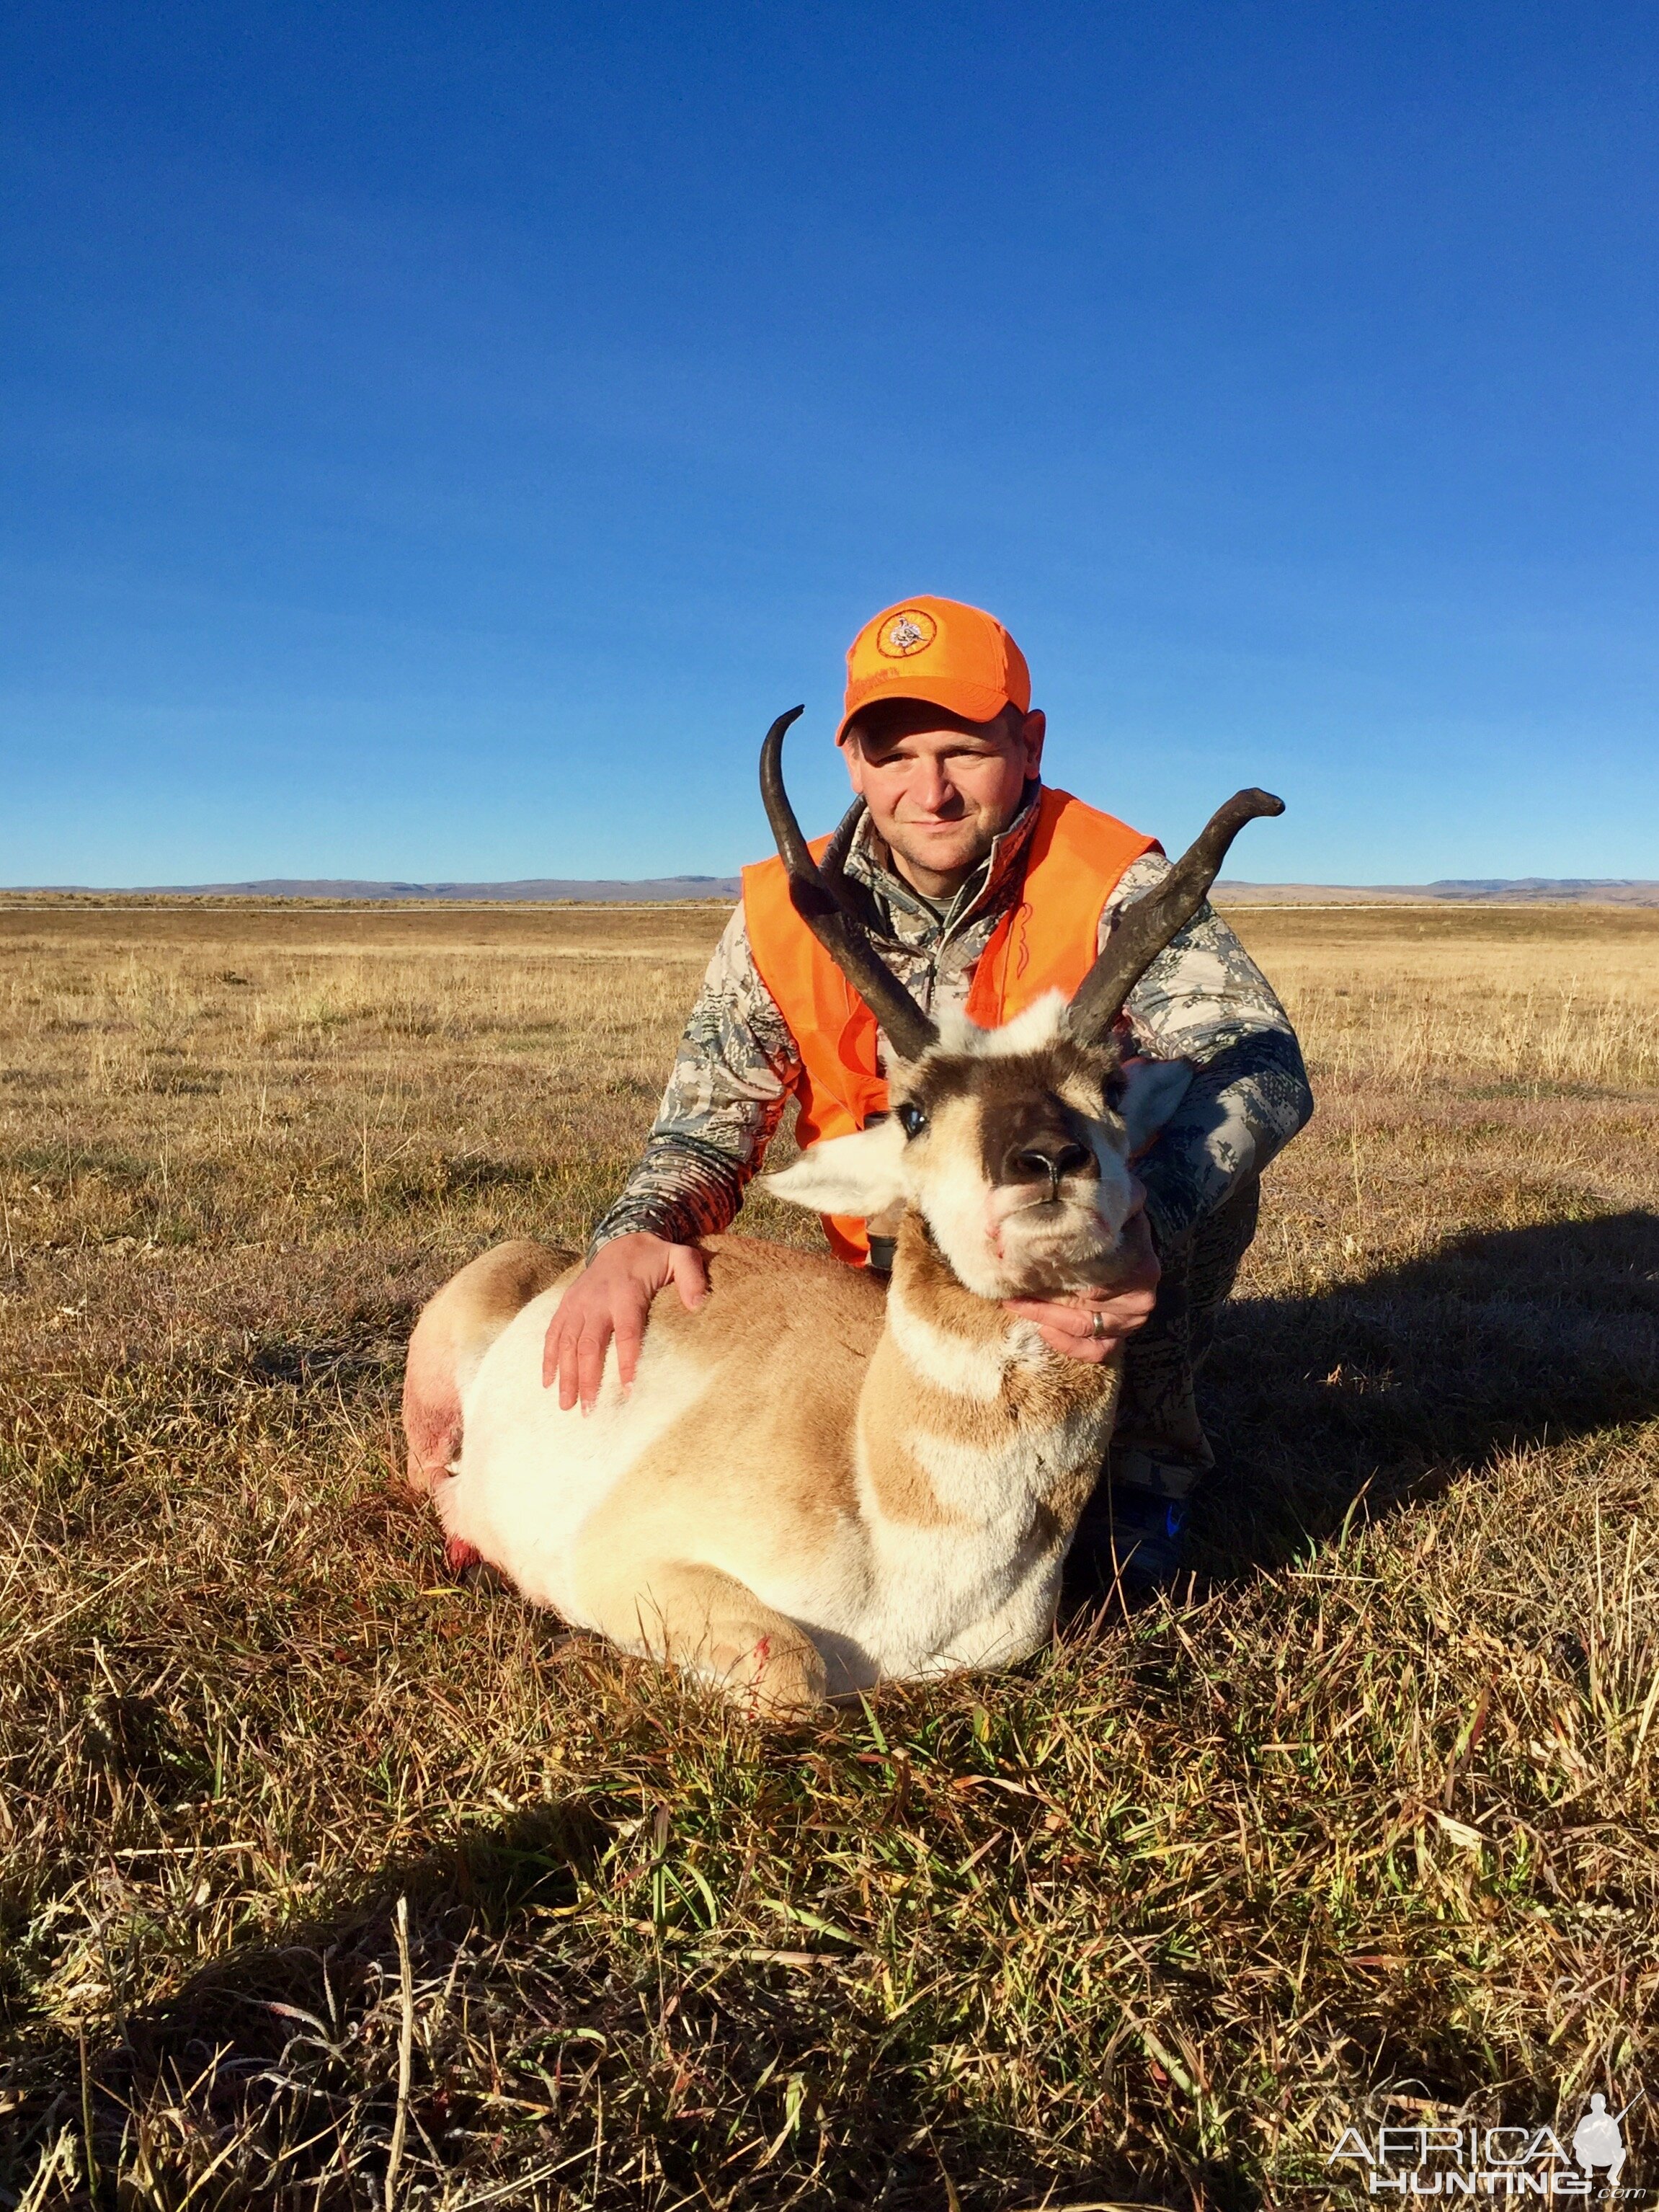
column 1597, row 890
column 1507, row 891
column 533, row 889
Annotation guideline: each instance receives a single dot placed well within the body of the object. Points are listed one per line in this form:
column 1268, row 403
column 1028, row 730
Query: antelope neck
column 990, row 1362
column 926, row 1286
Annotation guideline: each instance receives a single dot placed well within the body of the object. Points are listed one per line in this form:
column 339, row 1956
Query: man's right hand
column 611, row 1297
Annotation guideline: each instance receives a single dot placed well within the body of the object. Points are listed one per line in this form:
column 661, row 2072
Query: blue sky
column 436, row 440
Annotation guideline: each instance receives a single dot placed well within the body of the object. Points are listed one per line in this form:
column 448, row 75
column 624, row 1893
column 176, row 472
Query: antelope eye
column 911, row 1119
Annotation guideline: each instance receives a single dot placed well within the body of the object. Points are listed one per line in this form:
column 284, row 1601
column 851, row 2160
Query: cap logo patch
column 906, row 633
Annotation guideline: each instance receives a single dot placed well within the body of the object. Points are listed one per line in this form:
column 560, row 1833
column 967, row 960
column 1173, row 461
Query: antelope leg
column 714, row 1628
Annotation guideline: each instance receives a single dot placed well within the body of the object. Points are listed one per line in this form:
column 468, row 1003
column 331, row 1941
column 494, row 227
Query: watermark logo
column 1477, row 2161
column 1596, row 2140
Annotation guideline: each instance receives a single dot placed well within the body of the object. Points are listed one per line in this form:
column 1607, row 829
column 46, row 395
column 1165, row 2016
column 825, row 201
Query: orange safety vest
column 1046, row 942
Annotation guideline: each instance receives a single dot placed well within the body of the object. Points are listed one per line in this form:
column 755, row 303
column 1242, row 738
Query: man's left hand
column 1125, row 1306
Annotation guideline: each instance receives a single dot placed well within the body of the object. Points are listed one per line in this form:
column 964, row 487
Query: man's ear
column 851, row 751
column 1036, row 725
column 1153, row 1089
column 857, row 1174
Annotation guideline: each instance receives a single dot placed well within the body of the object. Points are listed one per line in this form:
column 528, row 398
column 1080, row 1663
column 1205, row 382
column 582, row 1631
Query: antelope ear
column 1153, row 1089
column 858, row 1175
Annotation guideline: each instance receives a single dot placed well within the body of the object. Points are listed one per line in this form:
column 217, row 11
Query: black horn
column 1143, row 928
column 821, row 902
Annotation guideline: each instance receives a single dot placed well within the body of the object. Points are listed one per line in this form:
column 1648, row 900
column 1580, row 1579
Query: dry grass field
column 324, row 1882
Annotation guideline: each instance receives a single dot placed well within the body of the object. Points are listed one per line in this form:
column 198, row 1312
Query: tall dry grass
column 1360, row 1827
column 1560, row 1005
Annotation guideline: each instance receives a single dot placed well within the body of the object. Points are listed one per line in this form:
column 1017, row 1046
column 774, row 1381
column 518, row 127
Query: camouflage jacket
column 1203, row 999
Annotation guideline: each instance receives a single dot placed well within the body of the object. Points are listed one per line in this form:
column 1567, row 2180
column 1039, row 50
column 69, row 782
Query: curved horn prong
column 1142, row 930
column 908, row 1028
column 832, row 866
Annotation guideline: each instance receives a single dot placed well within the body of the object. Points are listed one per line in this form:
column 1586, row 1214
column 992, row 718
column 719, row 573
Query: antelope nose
column 1051, row 1159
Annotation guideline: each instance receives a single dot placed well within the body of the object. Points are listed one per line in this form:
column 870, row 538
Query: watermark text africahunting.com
column 1481, row 2161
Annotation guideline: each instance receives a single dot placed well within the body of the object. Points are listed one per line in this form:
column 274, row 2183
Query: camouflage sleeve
column 732, row 1078
column 1205, row 1000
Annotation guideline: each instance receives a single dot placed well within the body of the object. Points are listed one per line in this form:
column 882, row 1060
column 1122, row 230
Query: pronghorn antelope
column 820, row 1481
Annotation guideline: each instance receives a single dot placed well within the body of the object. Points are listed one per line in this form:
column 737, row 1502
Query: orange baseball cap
column 953, row 656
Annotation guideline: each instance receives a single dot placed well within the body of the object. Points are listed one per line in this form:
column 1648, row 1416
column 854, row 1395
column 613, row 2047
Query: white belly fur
column 530, row 1474
column 887, row 1600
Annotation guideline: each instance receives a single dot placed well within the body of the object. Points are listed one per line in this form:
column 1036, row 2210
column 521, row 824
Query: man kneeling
column 984, row 888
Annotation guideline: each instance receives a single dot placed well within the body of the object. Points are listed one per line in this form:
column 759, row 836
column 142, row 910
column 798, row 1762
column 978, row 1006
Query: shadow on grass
column 538, row 2052
column 1366, row 1393
column 303, row 2032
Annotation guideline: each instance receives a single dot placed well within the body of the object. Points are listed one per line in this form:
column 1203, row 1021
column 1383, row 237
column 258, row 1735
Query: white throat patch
column 962, row 1366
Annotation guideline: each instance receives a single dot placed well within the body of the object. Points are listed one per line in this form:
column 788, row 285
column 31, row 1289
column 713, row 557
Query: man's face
column 939, row 788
